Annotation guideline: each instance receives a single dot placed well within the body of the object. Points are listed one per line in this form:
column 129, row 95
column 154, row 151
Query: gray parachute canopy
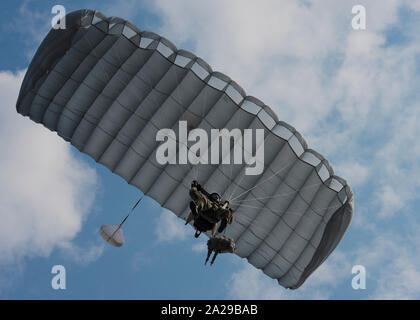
column 107, row 88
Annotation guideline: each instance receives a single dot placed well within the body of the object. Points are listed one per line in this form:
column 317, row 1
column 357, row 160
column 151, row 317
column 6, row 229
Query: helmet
column 215, row 197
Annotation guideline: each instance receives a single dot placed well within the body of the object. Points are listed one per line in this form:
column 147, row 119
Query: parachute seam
column 70, row 75
column 150, row 89
column 49, row 100
column 112, row 79
column 291, row 166
column 309, row 243
column 293, row 229
column 169, row 96
column 149, row 121
column 248, row 228
column 115, row 99
column 268, row 245
column 100, row 93
column 187, row 108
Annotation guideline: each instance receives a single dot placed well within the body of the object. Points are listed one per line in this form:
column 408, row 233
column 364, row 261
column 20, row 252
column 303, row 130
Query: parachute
column 108, row 88
column 112, row 233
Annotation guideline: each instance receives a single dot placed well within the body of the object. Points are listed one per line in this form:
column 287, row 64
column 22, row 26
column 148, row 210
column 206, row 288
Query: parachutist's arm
column 198, row 186
column 195, row 194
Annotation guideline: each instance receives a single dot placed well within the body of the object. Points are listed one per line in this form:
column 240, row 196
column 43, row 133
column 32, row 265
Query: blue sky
column 352, row 94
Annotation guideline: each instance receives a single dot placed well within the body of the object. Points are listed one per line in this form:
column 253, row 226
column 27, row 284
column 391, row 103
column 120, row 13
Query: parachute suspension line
column 236, row 185
column 232, row 166
column 240, row 180
column 202, row 112
column 242, row 177
column 178, row 81
column 258, row 184
column 131, row 211
column 284, row 212
column 264, row 181
column 277, row 195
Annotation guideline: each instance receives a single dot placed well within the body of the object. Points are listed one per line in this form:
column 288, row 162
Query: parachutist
column 207, row 210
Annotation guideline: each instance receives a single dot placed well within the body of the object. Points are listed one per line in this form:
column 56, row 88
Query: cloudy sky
column 353, row 94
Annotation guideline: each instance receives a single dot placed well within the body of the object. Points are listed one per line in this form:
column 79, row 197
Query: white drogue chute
column 113, row 233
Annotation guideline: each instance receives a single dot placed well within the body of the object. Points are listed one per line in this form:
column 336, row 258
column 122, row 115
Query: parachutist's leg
column 193, row 208
column 208, row 255
column 193, row 214
column 222, row 225
column 197, row 233
column 190, row 218
column 214, row 257
column 213, row 231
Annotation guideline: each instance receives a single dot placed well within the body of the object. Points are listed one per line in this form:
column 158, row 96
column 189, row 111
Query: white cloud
column 140, row 260
column 251, row 283
column 390, row 201
column 415, row 5
column 82, row 255
column 170, row 228
column 46, row 193
column 126, row 9
column 355, row 173
column 32, row 24
column 392, row 266
column 400, row 281
column 390, row 260
column 200, row 247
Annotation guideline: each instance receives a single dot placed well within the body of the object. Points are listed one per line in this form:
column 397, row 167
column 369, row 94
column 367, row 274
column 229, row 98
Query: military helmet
column 215, row 197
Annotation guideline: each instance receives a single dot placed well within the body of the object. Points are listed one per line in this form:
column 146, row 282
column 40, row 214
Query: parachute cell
column 108, row 88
